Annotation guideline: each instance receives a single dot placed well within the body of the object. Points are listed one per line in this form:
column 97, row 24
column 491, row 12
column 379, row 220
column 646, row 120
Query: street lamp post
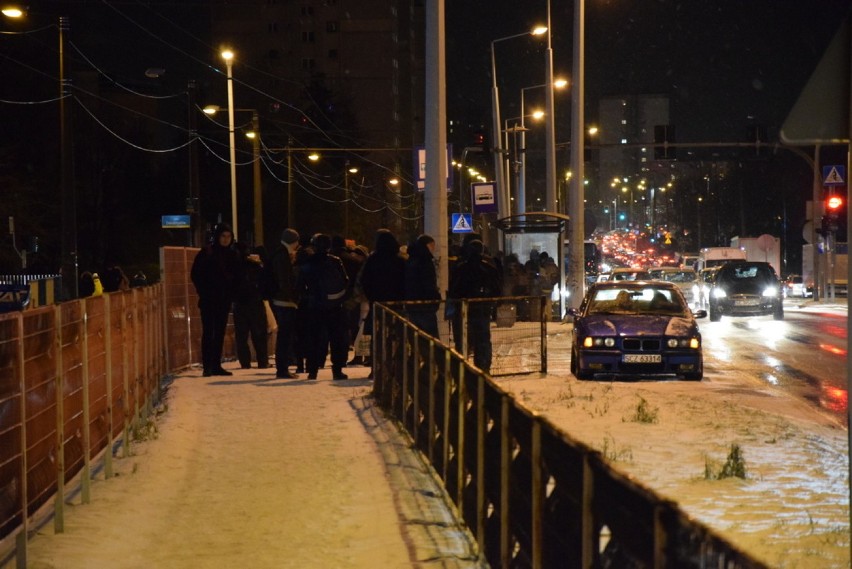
column 254, row 136
column 576, row 199
column 500, row 173
column 550, row 122
column 67, row 194
column 522, row 188
column 228, row 56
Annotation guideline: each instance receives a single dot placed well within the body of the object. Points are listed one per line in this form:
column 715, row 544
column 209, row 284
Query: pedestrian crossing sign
column 462, row 223
column 834, row 175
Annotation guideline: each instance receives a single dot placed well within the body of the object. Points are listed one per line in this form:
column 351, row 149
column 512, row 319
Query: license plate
column 747, row 302
column 642, row 358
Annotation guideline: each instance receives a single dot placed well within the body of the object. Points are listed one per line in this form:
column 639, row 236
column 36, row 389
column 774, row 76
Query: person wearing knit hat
column 215, row 273
column 284, row 300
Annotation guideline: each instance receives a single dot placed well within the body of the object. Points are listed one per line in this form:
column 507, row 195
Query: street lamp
column 500, row 174
column 254, row 136
column 347, row 172
column 67, row 195
column 228, row 56
column 522, row 186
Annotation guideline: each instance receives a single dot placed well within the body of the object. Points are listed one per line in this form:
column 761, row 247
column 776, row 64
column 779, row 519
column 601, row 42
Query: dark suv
column 744, row 288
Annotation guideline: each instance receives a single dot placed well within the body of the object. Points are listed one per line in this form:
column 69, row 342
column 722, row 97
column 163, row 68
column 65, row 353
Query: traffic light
column 834, row 220
column 480, row 140
column 833, row 206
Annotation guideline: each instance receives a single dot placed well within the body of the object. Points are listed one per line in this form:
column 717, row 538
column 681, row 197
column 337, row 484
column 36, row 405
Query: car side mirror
column 574, row 312
column 699, row 313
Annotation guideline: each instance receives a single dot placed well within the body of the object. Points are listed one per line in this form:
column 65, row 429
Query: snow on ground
column 791, row 511
column 251, row 471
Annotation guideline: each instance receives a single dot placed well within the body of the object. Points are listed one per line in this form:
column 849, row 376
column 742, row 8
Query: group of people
column 320, row 293
column 114, row 279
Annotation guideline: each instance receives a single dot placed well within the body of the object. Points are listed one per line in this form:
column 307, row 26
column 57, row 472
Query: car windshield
column 679, row 276
column 629, row 276
column 648, row 300
column 738, row 273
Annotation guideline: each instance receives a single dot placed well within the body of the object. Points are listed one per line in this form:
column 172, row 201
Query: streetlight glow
column 12, row 12
column 539, row 30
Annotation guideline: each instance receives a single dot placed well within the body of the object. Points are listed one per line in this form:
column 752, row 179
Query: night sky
column 724, row 63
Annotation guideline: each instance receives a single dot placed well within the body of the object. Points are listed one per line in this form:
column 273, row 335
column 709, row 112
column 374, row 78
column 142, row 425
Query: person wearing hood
column 476, row 277
column 383, row 275
column 322, row 284
column 216, row 271
column 421, row 283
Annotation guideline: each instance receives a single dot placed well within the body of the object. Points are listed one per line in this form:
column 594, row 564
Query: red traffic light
column 833, row 203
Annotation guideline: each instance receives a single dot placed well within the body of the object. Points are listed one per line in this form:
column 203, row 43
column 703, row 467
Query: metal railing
column 531, row 495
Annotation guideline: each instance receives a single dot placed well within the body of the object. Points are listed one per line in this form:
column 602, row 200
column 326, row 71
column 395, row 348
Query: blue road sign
column 462, row 223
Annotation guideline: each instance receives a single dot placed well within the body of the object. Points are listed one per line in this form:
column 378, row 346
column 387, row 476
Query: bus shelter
column 527, row 236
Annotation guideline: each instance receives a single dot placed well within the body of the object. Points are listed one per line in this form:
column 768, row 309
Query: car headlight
column 695, row 290
column 693, row 343
column 770, row 291
column 719, row 293
column 598, row 342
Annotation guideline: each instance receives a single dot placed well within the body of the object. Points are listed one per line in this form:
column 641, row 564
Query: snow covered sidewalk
column 253, row 471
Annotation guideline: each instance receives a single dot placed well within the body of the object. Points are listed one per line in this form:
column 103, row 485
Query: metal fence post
column 59, row 499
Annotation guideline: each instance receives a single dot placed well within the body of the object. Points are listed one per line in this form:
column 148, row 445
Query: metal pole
column 346, row 199
column 233, row 151
column 258, row 186
column 290, row 213
column 436, row 223
column 68, row 194
column 503, row 206
column 522, row 177
column 194, row 205
column 550, row 119
column 576, row 273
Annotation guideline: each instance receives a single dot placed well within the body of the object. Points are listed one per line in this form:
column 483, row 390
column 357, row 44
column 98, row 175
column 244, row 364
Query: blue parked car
column 636, row 329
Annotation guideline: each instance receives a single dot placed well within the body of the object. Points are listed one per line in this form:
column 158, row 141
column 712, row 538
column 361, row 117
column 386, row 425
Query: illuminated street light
column 521, row 190
column 500, row 173
column 254, row 136
column 228, row 56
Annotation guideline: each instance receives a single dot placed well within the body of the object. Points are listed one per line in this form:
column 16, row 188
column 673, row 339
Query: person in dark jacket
column 249, row 311
column 352, row 262
column 421, row 283
column 476, row 277
column 284, row 300
column 382, row 277
column 215, row 274
column 322, row 284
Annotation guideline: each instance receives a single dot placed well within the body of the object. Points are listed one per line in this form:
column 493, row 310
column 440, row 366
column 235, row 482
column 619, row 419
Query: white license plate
column 642, row 358
column 747, row 302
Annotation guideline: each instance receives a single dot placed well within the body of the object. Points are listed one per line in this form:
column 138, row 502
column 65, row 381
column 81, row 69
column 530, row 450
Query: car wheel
column 715, row 315
column 778, row 314
column 698, row 376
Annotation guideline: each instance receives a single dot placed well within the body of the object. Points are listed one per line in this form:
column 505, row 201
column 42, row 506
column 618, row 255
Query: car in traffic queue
column 746, row 288
column 628, row 274
column 636, row 329
column 685, row 278
column 794, row 287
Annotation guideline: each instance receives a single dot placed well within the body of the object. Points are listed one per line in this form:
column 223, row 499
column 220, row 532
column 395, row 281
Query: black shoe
column 300, row 369
column 337, row 373
column 221, row 371
column 312, row 375
column 367, row 361
column 207, row 373
column 286, row 375
column 245, row 366
column 356, row 361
